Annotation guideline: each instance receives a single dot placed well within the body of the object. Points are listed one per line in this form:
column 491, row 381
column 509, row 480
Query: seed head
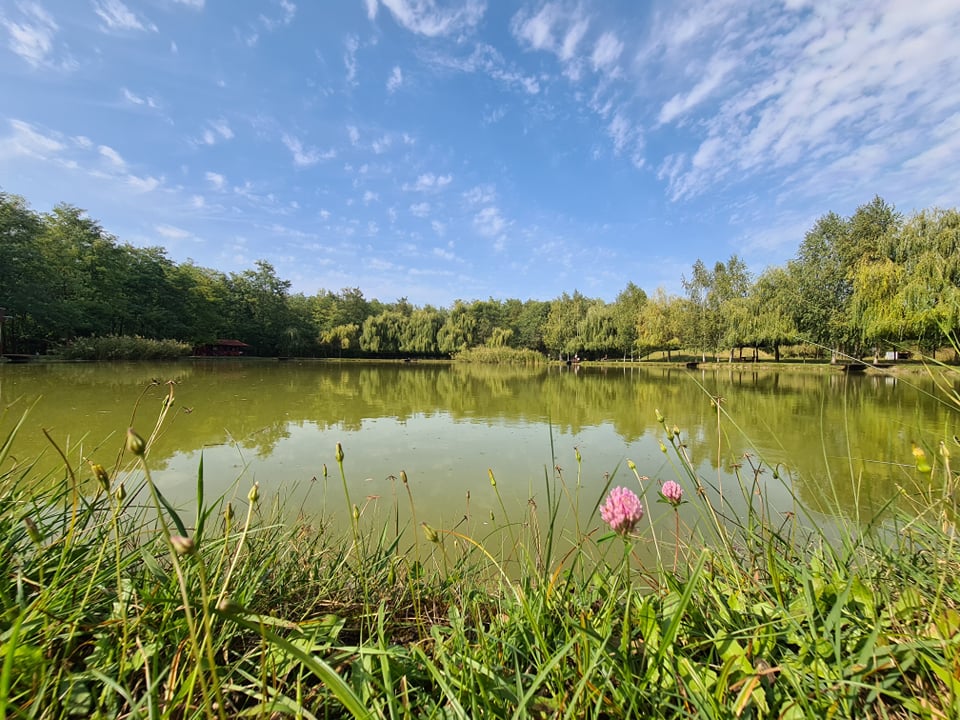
column 493, row 480
column 339, row 453
column 32, row 530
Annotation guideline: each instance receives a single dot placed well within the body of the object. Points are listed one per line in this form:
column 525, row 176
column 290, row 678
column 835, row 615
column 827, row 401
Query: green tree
column 627, row 309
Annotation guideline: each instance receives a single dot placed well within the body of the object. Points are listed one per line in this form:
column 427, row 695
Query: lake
column 842, row 444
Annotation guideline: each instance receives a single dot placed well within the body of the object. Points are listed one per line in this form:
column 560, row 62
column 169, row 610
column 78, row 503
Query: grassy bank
column 116, row 605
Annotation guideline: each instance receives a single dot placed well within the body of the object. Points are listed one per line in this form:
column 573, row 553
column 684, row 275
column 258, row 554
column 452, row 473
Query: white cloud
column 222, row 128
column 371, row 9
column 716, row 72
column 606, row 52
column 429, row 181
column 143, row 184
column 117, row 16
column 197, row 201
column 439, row 228
column 172, row 232
column 353, row 134
column 557, row 28
column 425, row 18
column 27, row 140
column 381, row 145
column 843, row 96
column 489, row 221
column 481, row 195
column 350, row 58
column 369, row 197
column 112, row 155
column 303, row 156
column 486, row 59
column 395, row 80
column 217, row 180
column 195, row 4
column 420, row 209
column 32, row 38
column 135, row 99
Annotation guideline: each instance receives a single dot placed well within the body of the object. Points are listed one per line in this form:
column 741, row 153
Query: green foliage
column 124, row 347
column 856, row 284
column 118, row 604
column 500, row 354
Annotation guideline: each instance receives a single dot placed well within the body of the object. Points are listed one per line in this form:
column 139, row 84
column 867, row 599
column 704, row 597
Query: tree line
column 868, row 281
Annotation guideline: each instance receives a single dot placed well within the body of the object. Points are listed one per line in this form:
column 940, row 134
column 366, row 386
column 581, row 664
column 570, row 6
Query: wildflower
column 672, row 492
column 622, row 510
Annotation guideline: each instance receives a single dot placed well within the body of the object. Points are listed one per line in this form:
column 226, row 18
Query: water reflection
column 844, row 440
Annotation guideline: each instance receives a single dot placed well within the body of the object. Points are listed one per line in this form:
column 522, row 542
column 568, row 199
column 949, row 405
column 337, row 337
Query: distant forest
column 870, row 281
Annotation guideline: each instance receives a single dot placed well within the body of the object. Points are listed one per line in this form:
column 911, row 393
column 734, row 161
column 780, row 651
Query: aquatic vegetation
column 115, row 603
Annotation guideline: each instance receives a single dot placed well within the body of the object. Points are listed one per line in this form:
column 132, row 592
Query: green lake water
column 841, row 444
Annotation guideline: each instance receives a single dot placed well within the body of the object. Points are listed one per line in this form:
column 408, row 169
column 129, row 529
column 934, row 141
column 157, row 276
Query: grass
column 115, row 605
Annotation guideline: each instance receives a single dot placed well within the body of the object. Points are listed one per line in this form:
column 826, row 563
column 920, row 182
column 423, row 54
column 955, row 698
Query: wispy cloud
column 171, row 232
column 117, row 17
column 32, row 36
column 425, row 18
column 135, row 99
column 428, row 182
column 800, row 90
column 306, row 156
column 395, row 80
column 112, row 156
column 216, row 180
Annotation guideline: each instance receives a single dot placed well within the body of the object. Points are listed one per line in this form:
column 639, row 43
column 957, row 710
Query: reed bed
column 117, row 605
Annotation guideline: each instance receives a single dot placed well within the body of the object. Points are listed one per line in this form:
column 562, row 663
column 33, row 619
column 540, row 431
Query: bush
column 500, row 355
column 124, row 347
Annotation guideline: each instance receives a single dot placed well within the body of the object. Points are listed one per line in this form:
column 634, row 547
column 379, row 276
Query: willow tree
column 912, row 292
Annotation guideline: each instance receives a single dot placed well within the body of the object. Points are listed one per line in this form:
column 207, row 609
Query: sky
column 463, row 149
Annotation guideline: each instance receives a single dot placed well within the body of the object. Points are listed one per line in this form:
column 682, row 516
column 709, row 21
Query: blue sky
column 442, row 149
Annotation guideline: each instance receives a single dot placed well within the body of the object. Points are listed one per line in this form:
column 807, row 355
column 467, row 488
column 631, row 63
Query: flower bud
column 183, row 545
column 356, row 513
column 493, row 480
column 631, row 464
column 576, row 453
column 135, row 443
column 663, row 448
column 254, row 493
column 324, row 470
column 430, row 533
column 660, row 418
column 403, row 476
column 676, row 431
column 120, row 493
column 339, row 453
column 101, row 475
column 32, row 530
column 229, row 606
column 228, row 513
